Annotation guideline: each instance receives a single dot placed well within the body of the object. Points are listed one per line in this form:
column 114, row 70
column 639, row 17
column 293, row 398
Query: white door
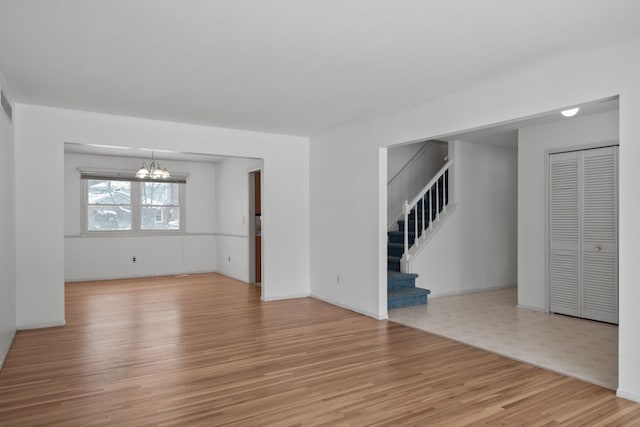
column 583, row 252
column 564, row 212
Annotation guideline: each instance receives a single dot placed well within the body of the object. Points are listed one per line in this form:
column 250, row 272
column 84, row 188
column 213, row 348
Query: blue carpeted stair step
column 397, row 280
column 426, row 217
column 412, row 225
column 398, row 237
column 406, row 297
column 402, row 291
column 426, row 209
column 393, row 263
column 395, row 249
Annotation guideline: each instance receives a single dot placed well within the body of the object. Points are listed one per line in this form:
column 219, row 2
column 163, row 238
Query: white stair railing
column 410, row 179
column 430, row 192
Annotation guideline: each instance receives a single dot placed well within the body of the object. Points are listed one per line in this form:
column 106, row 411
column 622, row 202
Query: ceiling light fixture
column 570, row 112
column 152, row 170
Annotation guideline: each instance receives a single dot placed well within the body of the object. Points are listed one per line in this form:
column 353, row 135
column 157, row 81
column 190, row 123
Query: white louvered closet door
column 600, row 234
column 583, row 230
column 564, row 221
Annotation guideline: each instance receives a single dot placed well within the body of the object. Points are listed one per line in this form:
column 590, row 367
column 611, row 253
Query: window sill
column 130, row 234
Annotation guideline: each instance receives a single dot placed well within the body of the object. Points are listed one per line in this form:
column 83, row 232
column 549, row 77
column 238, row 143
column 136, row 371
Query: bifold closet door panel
column 599, row 234
column 564, row 232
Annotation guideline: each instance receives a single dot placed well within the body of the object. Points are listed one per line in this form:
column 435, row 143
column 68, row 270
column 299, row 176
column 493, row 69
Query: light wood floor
column 203, row 350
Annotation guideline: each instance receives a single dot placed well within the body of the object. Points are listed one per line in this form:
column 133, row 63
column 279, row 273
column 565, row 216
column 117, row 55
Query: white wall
column 97, row 258
column 7, row 234
column 532, row 143
column 476, row 248
column 347, row 190
column 232, row 216
column 348, row 219
column 100, row 257
column 398, row 156
column 40, row 134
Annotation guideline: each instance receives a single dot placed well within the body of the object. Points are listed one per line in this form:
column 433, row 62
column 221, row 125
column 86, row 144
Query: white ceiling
column 506, row 134
column 287, row 66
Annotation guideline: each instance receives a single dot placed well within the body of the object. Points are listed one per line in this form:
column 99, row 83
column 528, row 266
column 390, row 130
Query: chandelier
column 152, row 170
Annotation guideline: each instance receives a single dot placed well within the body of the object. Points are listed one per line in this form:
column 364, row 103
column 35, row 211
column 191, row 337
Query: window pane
column 160, row 193
column 160, row 218
column 109, row 218
column 106, row 192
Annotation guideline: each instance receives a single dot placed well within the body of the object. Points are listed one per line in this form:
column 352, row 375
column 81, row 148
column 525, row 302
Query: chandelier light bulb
column 153, row 170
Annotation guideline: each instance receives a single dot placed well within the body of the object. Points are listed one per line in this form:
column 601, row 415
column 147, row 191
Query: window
column 115, row 203
column 160, row 206
column 109, row 205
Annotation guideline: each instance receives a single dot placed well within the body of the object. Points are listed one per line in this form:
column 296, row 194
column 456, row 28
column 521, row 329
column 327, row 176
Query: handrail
column 412, row 160
column 419, row 222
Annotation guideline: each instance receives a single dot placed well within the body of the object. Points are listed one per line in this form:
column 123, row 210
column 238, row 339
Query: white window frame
column 136, row 203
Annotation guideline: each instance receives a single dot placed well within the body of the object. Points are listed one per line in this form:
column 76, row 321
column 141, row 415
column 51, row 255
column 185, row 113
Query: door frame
column 547, row 193
column 252, row 225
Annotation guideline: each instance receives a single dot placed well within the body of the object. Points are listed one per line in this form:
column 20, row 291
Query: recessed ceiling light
column 570, row 112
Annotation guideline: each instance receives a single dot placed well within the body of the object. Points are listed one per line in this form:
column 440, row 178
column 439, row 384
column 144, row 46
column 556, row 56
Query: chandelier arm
column 153, row 170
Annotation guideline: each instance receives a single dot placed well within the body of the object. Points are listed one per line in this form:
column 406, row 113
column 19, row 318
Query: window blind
column 128, row 176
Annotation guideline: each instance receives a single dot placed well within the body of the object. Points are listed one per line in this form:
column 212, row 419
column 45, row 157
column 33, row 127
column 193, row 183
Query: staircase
column 402, row 291
column 401, row 287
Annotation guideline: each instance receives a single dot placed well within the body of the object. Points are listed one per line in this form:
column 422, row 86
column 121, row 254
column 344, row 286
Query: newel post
column 405, row 211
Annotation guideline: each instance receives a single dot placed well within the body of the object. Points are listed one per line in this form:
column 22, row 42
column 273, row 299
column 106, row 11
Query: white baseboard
column 134, row 276
column 469, row 291
column 5, row 348
column 348, row 307
column 629, row 396
column 41, row 325
column 233, row 276
column 283, row 297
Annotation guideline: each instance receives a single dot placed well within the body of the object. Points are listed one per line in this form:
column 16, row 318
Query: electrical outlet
column 133, row 259
column 338, row 279
column 229, row 259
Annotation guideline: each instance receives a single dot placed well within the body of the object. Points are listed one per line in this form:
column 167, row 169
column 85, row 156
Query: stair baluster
column 405, row 210
column 424, row 225
column 439, row 199
column 430, row 212
column 415, row 226
column 445, row 183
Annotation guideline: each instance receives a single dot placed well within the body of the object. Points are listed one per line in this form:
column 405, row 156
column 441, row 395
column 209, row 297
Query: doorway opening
column 524, row 303
column 255, row 227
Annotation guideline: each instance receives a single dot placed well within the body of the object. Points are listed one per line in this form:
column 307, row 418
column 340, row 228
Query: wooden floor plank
column 204, row 350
